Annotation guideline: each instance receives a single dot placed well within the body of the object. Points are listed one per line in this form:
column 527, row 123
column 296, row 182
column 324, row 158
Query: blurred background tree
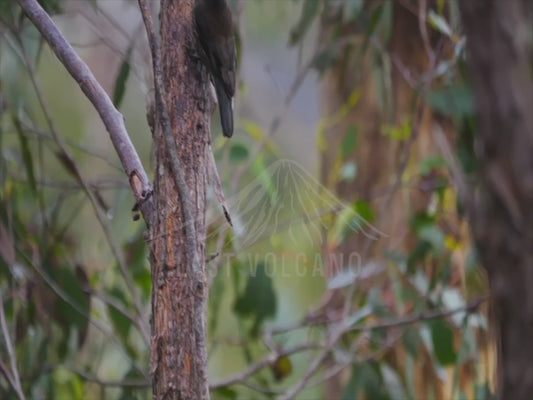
column 350, row 271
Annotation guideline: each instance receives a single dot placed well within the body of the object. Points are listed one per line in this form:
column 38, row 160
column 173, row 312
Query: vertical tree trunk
column 377, row 156
column 501, row 58
column 179, row 297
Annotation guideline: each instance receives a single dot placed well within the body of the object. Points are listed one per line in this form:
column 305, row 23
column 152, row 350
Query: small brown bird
column 214, row 27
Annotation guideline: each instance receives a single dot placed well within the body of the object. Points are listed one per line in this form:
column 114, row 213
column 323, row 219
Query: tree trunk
column 378, row 157
column 179, row 297
column 500, row 56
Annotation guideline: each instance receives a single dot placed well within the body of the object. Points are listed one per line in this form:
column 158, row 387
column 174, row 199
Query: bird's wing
column 226, row 61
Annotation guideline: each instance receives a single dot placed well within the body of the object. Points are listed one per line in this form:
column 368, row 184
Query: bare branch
column 111, row 117
column 103, row 382
column 468, row 308
column 263, row 363
column 315, row 365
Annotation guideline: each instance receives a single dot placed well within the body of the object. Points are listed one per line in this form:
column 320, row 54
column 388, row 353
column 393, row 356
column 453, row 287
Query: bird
column 216, row 36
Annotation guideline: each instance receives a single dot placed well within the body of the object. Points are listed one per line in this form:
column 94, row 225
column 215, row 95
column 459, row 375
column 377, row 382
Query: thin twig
column 264, row 362
column 110, row 302
column 102, row 32
column 422, row 13
column 303, row 324
column 468, row 308
column 259, row 389
column 276, row 121
column 73, row 186
column 314, row 366
column 5, row 371
column 107, row 383
column 15, row 382
column 42, row 135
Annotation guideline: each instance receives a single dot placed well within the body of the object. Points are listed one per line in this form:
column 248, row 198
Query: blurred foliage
column 63, row 315
column 75, row 325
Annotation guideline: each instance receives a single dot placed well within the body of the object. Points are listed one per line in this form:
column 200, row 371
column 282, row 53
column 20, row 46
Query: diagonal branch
column 266, row 361
column 91, row 194
column 111, row 117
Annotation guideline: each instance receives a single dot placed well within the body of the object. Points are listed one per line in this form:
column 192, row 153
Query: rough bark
column 500, row 57
column 179, row 297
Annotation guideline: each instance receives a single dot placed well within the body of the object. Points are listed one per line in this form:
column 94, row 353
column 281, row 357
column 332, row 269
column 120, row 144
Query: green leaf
column 264, row 177
column 238, row 152
column 442, row 336
column 26, row 154
column 431, row 163
column 349, row 143
column 130, row 393
column 366, row 379
column 325, row 58
column 439, row 23
column 365, row 210
column 121, row 323
column 122, row 78
column 77, row 309
column 309, row 12
column 135, row 251
column 259, row 298
column 225, row 393
column 420, row 252
column 434, row 236
column 375, row 18
column 255, row 131
column 400, row 133
column 216, row 292
column 352, row 219
column 411, row 341
column 281, row 368
column 51, row 6
column 482, row 391
column 352, row 9
column 466, row 153
column 421, row 220
column 453, row 101
column 6, row 11
column 393, row 382
column 352, row 388
column 359, row 315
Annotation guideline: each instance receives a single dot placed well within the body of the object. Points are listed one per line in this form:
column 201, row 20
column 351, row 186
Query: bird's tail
column 226, row 109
